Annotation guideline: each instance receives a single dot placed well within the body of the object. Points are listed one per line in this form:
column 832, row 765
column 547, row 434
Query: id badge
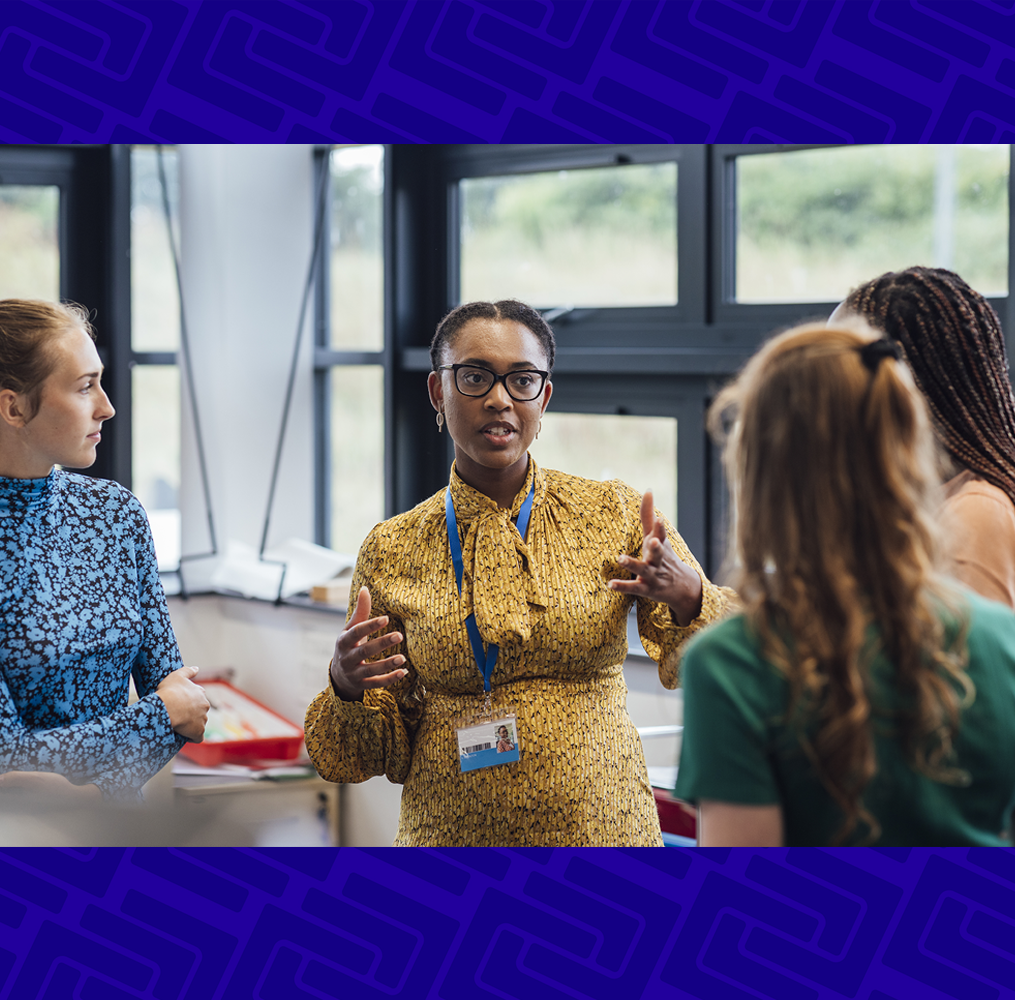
column 488, row 743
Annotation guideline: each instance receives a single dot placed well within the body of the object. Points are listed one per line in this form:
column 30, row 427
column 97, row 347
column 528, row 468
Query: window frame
column 590, row 328
column 326, row 357
column 657, row 358
column 772, row 315
column 94, row 242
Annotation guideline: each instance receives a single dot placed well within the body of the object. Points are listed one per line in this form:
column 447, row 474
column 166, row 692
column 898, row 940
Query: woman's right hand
column 185, row 702
column 350, row 673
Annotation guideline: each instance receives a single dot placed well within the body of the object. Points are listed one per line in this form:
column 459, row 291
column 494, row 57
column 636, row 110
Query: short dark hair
column 506, row 309
column 27, row 329
column 953, row 343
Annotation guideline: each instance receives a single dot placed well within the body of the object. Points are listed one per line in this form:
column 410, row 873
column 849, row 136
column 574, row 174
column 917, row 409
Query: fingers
column 356, row 666
column 651, row 526
column 353, row 635
column 362, row 610
column 648, row 513
column 384, row 680
column 189, row 672
column 363, row 663
column 633, row 587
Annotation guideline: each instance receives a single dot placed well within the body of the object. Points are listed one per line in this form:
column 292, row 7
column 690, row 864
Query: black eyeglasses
column 472, row 380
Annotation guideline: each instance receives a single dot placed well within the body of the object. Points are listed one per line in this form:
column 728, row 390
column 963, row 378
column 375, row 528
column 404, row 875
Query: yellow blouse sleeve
column 661, row 636
column 351, row 741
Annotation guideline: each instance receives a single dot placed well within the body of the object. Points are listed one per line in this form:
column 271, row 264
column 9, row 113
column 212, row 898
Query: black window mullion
column 321, row 380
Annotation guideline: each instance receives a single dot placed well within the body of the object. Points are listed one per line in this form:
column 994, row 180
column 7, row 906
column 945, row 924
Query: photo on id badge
column 487, row 743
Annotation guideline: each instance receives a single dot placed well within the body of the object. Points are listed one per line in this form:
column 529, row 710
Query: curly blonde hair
column 834, row 471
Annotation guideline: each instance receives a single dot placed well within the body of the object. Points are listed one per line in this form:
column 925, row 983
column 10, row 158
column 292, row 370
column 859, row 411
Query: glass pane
column 640, row 450
column 154, row 302
column 600, row 237
column 812, row 224
column 29, row 241
column 357, row 263
column 156, row 455
column 357, row 454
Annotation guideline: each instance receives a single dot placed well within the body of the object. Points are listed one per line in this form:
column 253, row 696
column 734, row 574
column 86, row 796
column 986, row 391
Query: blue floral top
column 81, row 610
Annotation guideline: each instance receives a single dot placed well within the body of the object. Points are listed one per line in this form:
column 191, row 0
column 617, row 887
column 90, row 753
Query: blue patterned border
column 509, row 71
column 490, row 923
column 230, row 923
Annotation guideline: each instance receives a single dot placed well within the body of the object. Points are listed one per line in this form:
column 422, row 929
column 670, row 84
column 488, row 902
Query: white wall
column 246, row 221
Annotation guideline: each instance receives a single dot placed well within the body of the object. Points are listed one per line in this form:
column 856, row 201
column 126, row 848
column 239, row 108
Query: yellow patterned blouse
column 581, row 779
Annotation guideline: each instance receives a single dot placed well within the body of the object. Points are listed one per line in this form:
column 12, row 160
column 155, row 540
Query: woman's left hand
column 661, row 575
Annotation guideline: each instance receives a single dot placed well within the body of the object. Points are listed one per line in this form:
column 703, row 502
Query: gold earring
column 440, row 421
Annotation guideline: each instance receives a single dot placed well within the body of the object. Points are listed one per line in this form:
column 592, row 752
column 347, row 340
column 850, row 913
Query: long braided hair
column 953, row 343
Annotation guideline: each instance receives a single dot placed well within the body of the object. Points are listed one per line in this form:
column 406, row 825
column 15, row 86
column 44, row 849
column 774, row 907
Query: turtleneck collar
column 21, row 495
column 494, row 553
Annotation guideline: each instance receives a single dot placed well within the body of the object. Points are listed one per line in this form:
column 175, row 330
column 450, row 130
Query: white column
column 246, row 219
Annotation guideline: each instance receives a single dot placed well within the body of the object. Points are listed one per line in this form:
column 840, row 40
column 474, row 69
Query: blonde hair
column 833, row 467
column 27, row 329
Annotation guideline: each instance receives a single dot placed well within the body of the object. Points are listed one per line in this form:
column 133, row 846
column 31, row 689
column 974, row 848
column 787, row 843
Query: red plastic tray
column 212, row 753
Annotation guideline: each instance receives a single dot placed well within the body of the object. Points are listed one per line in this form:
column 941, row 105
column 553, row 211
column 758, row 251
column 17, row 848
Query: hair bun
column 872, row 353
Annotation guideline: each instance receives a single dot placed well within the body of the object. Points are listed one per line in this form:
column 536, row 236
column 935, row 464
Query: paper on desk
column 256, row 772
column 183, row 766
column 305, row 564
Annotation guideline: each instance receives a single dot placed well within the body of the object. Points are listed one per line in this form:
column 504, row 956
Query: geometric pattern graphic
column 105, row 924
column 485, row 923
column 507, row 71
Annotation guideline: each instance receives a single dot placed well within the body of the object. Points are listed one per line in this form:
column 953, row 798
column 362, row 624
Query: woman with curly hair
column 860, row 697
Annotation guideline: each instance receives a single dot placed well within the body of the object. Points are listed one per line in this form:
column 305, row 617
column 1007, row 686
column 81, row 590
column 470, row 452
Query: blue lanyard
column 485, row 661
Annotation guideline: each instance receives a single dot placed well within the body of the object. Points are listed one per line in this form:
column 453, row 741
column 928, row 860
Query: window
column 642, row 451
column 29, row 241
column 155, row 337
column 661, row 269
column 813, row 223
column 601, row 236
column 356, row 265
column 350, row 374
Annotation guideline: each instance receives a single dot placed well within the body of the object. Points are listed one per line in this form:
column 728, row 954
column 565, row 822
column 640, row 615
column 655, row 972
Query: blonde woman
column 860, row 697
column 81, row 606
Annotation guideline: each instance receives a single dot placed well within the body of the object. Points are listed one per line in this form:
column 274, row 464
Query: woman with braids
column 500, row 604
column 861, row 697
column 953, row 343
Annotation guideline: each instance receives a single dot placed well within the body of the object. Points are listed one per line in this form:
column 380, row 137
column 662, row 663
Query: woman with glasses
column 502, row 601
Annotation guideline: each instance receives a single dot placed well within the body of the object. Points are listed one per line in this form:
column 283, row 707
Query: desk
column 296, row 812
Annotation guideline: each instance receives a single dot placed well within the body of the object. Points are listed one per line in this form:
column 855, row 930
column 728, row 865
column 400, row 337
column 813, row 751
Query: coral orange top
column 979, row 522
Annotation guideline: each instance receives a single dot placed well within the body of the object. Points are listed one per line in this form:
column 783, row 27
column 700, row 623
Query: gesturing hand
column 350, row 672
column 186, row 703
column 661, row 575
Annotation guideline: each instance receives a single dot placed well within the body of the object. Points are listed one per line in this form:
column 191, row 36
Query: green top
column 737, row 747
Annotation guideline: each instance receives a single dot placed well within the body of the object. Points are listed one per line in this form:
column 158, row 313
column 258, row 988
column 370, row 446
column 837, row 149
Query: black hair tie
column 872, row 353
